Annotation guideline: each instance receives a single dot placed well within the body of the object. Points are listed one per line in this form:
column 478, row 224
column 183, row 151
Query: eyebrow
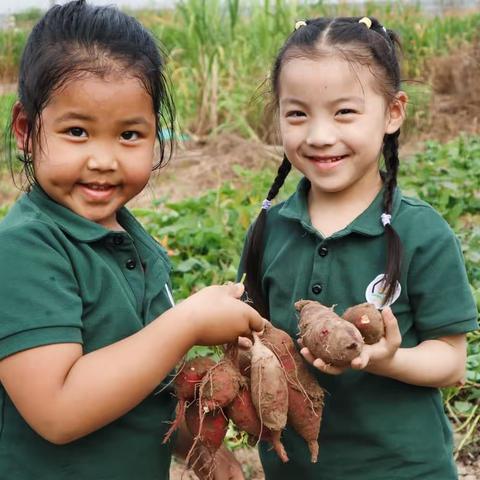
column 334, row 102
column 89, row 118
column 74, row 116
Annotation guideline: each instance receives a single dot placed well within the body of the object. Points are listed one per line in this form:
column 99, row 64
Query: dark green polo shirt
column 374, row 428
column 66, row 279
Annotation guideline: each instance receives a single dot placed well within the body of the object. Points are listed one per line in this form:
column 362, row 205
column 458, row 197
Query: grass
column 221, row 51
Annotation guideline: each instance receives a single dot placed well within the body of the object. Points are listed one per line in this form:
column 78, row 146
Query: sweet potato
column 326, row 335
column 186, row 385
column 368, row 320
column 208, row 428
column 269, row 392
column 220, row 385
column 305, row 396
column 243, row 414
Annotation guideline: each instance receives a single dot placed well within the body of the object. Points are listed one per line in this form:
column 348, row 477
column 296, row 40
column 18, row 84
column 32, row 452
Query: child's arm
column 432, row 363
column 64, row 394
column 438, row 362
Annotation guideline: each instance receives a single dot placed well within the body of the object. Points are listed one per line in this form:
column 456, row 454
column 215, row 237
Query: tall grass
column 220, row 58
column 221, row 51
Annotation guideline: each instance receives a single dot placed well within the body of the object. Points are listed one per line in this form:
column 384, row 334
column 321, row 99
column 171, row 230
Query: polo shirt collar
column 367, row 223
column 69, row 222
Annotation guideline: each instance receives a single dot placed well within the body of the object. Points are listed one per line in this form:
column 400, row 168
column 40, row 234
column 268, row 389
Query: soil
column 252, row 468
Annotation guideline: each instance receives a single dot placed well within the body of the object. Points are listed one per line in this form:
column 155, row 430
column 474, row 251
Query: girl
column 348, row 236
column 87, row 332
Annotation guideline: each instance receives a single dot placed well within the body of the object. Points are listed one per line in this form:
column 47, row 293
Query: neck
column 331, row 212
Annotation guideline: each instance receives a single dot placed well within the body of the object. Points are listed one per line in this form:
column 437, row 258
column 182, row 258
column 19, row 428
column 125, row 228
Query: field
column 200, row 205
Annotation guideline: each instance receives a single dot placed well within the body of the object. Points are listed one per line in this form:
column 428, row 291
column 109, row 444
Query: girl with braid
column 347, row 236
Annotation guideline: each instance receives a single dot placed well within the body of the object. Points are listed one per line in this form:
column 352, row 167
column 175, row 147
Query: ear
column 20, row 126
column 396, row 112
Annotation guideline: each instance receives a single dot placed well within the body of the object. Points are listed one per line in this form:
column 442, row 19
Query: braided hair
column 365, row 40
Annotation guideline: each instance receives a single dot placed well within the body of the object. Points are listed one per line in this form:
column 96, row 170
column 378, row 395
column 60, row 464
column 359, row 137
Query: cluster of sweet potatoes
column 263, row 389
column 338, row 340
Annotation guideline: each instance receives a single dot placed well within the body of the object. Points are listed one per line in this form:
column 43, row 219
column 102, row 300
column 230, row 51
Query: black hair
column 76, row 39
column 376, row 47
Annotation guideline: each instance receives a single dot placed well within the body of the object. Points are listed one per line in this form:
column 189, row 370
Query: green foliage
column 221, row 53
column 204, row 237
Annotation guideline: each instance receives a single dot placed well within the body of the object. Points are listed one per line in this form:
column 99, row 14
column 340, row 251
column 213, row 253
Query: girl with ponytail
column 347, row 236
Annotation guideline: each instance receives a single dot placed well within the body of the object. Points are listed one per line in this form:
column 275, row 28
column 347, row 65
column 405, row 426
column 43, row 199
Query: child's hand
column 385, row 348
column 319, row 363
column 217, row 316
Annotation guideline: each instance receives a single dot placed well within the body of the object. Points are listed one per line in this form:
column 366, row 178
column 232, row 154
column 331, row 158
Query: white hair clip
column 386, row 219
column 266, row 204
column 300, row 23
column 366, row 21
column 384, row 29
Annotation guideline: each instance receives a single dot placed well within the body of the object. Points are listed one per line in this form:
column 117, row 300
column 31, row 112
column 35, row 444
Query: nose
column 102, row 158
column 321, row 133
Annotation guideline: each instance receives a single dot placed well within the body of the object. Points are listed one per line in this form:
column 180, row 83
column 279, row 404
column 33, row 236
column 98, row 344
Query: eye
column 295, row 114
column 77, row 132
column 345, row 111
column 130, row 135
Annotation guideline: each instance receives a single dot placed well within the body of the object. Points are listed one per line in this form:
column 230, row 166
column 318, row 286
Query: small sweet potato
column 220, row 385
column 326, row 335
column 243, row 414
column 269, row 392
column 368, row 320
column 209, row 428
column 186, row 385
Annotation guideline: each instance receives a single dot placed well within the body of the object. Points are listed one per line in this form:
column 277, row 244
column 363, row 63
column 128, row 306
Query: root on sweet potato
column 220, row 385
column 186, row 384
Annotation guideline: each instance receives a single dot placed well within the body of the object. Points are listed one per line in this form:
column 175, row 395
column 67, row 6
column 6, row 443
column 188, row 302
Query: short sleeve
column 39, row 300
column 439, row 292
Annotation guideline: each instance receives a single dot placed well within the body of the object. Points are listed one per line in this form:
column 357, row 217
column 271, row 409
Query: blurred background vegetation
column 220, row 54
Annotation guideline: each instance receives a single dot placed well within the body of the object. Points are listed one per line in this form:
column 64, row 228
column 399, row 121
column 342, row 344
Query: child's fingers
column 244, row 342
column 257, row 323
column 235, row 289
column 360, row 362
column 392, row 331
column 307, row 355
column 326, row 368
column 319, row 363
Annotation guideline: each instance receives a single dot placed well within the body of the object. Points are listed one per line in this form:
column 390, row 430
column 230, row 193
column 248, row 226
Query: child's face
column 332, row 122
column 96, row 145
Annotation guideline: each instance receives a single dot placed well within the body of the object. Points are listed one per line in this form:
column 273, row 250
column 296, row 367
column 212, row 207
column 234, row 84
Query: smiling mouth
column 328, row 159
column 100, row 187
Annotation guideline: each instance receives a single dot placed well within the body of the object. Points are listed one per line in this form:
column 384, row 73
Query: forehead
column 97, row 93
column 328, row 75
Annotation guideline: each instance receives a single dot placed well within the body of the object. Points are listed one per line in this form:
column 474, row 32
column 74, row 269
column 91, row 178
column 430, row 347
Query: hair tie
column 366, row 21
column 266, row 204
column 386, row 219
column 300, row 23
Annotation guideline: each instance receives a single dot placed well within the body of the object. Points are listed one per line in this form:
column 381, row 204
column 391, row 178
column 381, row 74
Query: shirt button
column 130, row 263
column 117, row 240
column 322, row 251
column 317, row 289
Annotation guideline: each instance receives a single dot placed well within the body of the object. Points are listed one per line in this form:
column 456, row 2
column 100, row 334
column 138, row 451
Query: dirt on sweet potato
column 328, row 336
